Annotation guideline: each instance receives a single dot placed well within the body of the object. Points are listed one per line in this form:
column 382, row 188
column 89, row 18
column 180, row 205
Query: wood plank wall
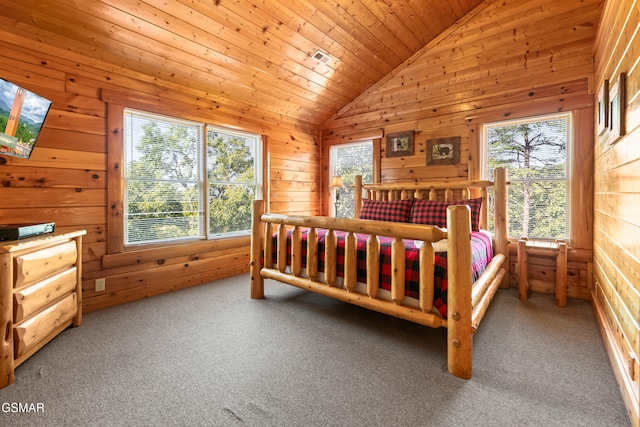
column 504, row 60
column 65, row 179
column 616, row 248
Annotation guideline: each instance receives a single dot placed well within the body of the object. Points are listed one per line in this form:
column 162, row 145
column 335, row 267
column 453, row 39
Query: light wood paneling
column 506, row 60
column 254, row 57
column 66, row 178
column 247, row 65
column 616, row 225
column 502, row 59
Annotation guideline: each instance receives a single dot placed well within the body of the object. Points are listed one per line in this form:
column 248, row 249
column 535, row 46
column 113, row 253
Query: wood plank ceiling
column 256, row 55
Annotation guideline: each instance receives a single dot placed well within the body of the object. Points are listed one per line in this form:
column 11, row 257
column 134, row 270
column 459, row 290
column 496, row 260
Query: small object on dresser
column 22, row 231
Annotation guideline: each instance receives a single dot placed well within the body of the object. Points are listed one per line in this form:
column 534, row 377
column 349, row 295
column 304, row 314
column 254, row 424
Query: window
column 186, row 180
column 347, row 161
column 535, row 153
column 233, row 172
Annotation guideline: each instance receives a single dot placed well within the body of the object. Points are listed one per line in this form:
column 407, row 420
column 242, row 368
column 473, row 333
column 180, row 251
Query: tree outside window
column 535, row 153
column 348, row 161
column 231, row 176
column 181, row 176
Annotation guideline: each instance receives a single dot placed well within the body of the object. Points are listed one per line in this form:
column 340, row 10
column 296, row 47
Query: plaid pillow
column 394, row 210
column 435, row 213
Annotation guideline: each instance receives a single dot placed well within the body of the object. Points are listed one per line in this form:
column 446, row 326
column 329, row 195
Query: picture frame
column 616, row 109
column 400, row 144
column 443, row 151
column 603, row 107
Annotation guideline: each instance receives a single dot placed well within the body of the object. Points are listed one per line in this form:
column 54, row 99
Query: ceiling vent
column 321, row 56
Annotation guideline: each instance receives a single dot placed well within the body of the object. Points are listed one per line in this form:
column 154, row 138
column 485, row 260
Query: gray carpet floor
column 211, row 356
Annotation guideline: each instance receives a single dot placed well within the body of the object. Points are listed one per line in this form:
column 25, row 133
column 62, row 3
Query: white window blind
column 163, row 178
column 232, row 179
column 347, row 161
column 536, row 153
column 185, row 180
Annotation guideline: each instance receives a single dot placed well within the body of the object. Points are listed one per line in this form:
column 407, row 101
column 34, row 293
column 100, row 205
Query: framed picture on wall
column 603, row 107
column 443, row 151
column 400, row 144
column 616, row 109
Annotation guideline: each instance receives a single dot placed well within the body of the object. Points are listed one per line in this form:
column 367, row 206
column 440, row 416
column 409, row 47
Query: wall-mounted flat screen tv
column 22, row 114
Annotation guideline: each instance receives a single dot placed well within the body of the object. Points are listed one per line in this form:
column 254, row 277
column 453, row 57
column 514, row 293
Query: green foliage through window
column 535, row 154
column 347, row 161
column 181, row 176
column 232, row 185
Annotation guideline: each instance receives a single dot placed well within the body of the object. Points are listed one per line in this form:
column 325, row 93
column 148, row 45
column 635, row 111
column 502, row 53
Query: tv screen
column 22, row 114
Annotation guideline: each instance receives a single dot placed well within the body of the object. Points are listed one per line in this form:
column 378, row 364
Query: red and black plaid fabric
column 435, row 213
column 380, row 210
column 481, row 256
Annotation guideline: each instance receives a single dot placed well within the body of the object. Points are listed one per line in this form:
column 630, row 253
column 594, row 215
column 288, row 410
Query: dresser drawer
column 40, row 327
column 31, row 299
column 40, row 294
column 33, row 266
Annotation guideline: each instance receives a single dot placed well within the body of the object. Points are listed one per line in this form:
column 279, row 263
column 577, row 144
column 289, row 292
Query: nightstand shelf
column 543, row 248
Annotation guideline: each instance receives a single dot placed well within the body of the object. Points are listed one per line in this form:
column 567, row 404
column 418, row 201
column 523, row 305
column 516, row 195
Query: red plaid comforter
column 481, row 256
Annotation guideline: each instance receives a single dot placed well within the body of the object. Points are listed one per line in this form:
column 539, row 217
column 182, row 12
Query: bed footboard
column 467, row 301
column 325, row 283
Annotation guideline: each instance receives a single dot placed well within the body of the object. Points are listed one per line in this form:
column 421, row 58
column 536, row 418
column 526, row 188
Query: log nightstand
column 543, row 248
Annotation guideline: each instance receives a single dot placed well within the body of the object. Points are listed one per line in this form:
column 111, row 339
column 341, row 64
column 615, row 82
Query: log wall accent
column 616, row 226
column 504, row 60
column 66, row 178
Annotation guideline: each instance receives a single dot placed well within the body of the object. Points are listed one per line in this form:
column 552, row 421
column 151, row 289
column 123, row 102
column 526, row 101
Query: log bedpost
column 501, row 229
column 282, row 259
column 296, row 251
column 398, row 263
column 427, row 258
column 257, row 236
column 330, row 257
column 561, row 275
column 523, row 279
column 484, row 209
column 357, row 196
column 459, row 310
column 373, row 265
column 350, row 274
column 312, row 254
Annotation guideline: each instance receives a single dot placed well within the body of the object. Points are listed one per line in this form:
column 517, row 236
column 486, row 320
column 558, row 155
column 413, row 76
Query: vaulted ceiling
column 257, row 55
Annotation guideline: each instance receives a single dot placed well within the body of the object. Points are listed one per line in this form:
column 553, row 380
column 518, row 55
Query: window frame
column 485, row 172
column 258, row 177
column 203, row 182
column 115, row 105
column 199, row 181
column 332, row 169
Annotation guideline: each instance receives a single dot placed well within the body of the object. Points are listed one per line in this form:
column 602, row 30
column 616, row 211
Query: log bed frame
column 466, row 301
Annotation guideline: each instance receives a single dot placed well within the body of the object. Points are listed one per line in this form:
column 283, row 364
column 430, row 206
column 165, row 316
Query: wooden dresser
column 40, row 294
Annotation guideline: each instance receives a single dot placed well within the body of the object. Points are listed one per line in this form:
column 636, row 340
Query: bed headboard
column 444, row 190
